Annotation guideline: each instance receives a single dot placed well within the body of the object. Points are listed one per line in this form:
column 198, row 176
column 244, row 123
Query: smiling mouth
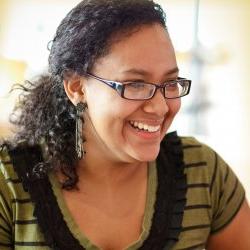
column 144, row 127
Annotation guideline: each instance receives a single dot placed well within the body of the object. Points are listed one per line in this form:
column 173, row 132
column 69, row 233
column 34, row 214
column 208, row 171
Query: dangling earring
column 80, row 108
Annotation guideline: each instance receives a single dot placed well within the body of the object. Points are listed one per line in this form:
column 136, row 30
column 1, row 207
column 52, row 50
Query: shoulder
column 6, row 168
column 6, row 175
column 199, row 157
column 16, row 208
column 214, row 193
column 195, row 150
column 207, row 170
column 9, row 180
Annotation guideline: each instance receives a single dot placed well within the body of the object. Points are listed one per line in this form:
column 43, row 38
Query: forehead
column 148, row 49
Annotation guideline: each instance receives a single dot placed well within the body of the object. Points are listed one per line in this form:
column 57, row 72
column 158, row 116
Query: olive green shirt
column 214, row 196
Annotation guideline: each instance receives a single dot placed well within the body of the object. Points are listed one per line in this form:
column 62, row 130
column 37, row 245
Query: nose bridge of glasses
column 161, row 88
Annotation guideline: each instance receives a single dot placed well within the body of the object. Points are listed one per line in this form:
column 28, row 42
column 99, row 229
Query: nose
column 157, row 104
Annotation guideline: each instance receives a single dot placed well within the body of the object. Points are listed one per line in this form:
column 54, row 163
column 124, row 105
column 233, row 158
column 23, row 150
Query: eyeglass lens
column 140, row 90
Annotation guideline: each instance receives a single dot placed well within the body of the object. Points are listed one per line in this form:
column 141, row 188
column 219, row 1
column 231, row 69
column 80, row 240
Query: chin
column 147, row 155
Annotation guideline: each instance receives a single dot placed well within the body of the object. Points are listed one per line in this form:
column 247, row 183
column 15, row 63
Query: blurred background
column 212, row 42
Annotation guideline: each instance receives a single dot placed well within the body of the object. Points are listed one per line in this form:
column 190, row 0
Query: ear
column 74, row 88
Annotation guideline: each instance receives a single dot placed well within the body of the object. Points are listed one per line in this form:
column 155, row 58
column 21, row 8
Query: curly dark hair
column 44, row 112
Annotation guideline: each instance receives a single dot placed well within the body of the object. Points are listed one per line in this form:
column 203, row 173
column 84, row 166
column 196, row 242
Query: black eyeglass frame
column 120, row 87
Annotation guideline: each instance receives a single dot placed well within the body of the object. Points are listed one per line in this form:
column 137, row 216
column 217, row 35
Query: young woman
column 91, row 166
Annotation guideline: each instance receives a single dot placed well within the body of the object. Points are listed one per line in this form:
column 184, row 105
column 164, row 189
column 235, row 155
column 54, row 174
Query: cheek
column 99, row 100
column 174, row 106
column 107, row 109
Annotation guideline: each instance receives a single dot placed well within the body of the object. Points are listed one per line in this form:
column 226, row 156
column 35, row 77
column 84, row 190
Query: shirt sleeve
column 227, row 194
column 5, row 212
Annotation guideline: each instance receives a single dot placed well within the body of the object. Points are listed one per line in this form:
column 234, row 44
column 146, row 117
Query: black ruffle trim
column 171, row 196
column 27, row 161
column 168, row 210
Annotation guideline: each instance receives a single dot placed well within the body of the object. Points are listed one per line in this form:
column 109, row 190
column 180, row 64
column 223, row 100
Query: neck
column 105, row 172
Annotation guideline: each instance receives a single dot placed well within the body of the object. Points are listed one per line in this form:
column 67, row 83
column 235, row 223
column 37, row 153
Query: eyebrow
column 143, row 72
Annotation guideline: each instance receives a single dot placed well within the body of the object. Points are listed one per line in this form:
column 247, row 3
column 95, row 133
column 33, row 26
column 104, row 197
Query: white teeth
column 140, row 125
column 145, row 127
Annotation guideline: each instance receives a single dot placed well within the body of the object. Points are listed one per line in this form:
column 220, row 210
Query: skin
column 236, row 235
column 115, row 172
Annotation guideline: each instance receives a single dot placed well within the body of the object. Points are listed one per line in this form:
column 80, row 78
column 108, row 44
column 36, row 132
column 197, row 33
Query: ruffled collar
column 171, row 196
column 168, row 209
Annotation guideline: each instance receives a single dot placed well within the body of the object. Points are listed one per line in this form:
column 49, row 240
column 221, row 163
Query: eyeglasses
column 140, row 90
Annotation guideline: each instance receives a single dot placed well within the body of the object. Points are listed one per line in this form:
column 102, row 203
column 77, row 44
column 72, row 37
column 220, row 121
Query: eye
column 172, row 85
column 135, row 85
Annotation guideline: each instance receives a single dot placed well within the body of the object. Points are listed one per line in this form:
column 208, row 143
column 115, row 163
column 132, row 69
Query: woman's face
column 147, row 55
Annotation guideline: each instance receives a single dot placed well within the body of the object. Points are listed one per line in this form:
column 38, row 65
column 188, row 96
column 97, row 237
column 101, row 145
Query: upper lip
column 149, row 122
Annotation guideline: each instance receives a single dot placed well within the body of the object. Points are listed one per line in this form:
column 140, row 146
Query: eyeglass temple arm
column 112, row 84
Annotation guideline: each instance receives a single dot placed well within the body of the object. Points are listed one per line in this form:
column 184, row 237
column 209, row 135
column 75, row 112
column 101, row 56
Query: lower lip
column 145, row 134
